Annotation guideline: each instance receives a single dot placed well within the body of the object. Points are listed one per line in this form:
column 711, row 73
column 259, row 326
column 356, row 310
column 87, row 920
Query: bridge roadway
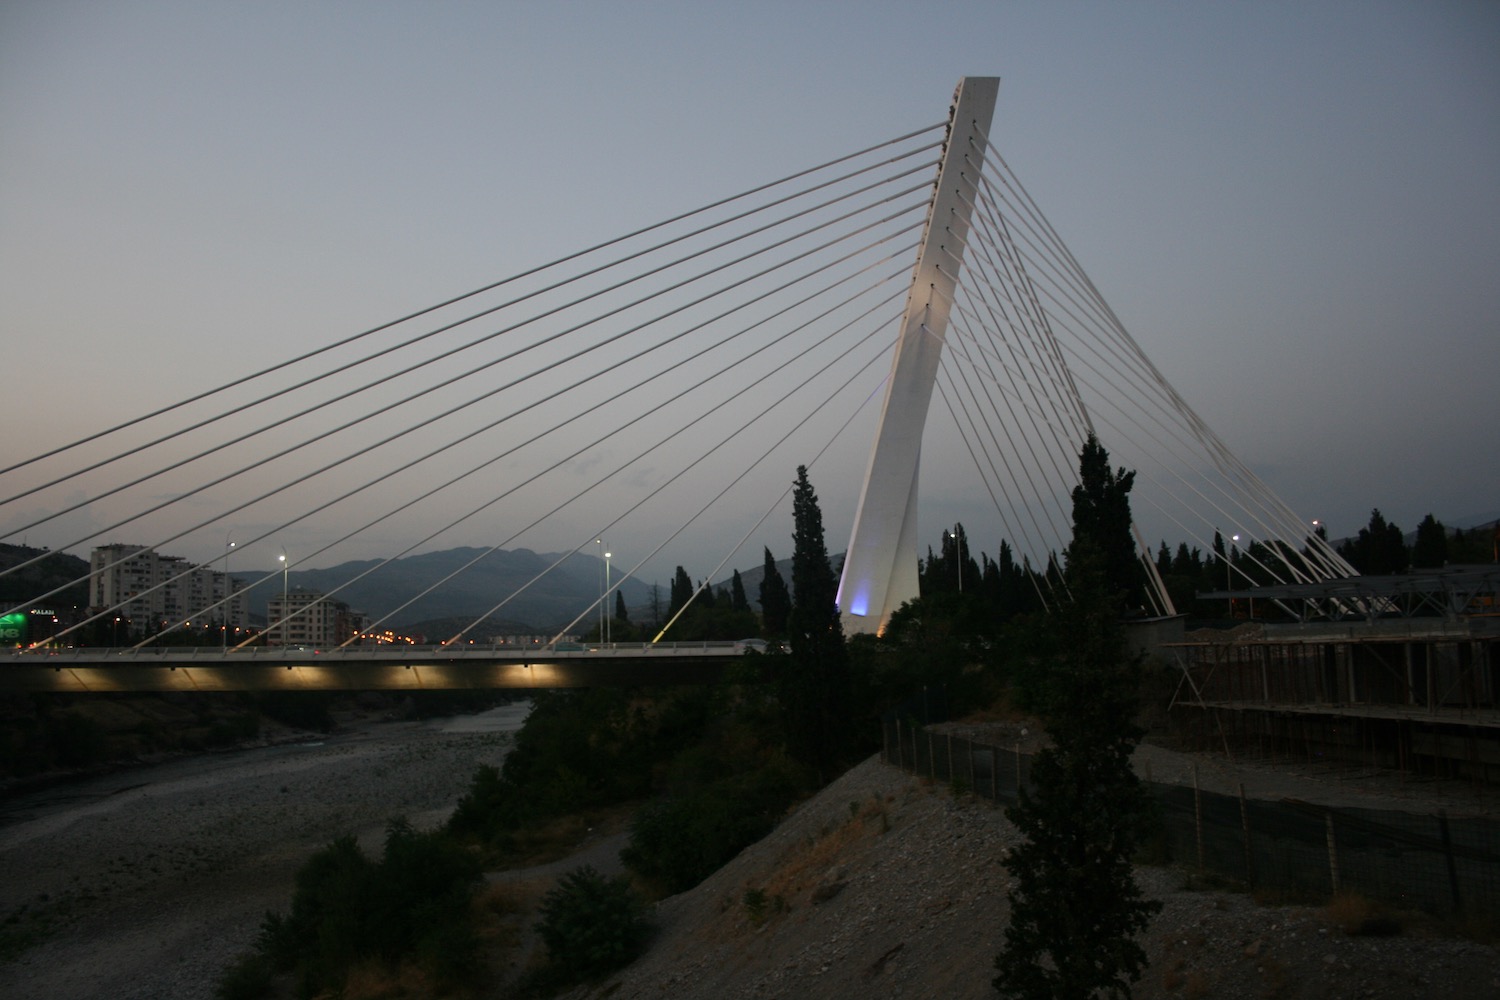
column 364, row 668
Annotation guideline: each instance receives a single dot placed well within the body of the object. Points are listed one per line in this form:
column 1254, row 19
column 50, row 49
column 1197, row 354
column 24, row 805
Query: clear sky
column 1295, row 208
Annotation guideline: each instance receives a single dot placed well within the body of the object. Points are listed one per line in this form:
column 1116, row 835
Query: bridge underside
column 451, row 676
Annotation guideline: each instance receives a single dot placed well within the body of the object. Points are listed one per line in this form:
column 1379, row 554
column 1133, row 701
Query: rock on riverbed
column 148, row 882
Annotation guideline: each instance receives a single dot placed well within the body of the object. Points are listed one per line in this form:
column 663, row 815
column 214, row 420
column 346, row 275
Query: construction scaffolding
column 1421, row 695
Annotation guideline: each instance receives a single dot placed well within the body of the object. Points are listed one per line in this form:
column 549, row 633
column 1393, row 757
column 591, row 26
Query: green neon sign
column 13, row 629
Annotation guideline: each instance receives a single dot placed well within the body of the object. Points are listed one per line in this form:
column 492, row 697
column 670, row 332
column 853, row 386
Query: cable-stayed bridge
column 904, row 308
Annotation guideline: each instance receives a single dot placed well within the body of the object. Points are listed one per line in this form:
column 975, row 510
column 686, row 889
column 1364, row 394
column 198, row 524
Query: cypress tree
column 737, row 599
column 816, row 686
column 775, row 599
column 1076, row 911
column 682, row 590
column 1101, row 515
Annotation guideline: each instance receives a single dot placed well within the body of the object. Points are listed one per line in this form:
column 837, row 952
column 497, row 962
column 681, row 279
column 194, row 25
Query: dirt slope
column 886, row 886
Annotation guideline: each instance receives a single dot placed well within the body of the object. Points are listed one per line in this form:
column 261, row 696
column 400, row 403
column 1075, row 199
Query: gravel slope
column 892, row 888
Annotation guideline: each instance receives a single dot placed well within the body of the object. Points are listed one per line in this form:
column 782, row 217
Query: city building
column 314, row 620
column 148, row 592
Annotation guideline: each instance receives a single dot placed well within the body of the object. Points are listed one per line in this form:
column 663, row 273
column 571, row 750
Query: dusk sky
column 1294, row 208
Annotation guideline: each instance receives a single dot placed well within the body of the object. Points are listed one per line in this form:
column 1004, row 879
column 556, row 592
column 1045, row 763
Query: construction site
column 1399, row 672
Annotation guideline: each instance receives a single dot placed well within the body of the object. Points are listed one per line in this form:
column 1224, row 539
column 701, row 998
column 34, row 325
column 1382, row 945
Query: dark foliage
column 410, row 905
column 592, row 925
column 775, row 600
column 1076, row 911
column 1101, row 519
column 737, row 599
column 577, row 750
column 1378, row 549
column 682, row 591
column 814, row 684
column 723, row 796
column 1431, row 548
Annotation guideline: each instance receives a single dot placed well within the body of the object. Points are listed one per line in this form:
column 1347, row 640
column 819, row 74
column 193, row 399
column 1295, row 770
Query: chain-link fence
column 1440, row 864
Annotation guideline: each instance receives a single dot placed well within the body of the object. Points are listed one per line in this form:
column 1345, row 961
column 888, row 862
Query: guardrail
column 384, row 652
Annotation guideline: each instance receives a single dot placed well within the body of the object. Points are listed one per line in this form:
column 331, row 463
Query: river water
column 146, row 883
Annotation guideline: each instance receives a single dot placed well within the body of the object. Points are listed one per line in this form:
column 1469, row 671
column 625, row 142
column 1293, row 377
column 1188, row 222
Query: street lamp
column 958, row 555
column 228, row 590
column 1228, row 562
column 608, row 625
column 282, row 557
column 600, row 542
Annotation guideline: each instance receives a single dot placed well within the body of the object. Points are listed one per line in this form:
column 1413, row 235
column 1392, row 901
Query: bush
column 592, row 925
column 247, row 979
column 347, row 909
column 682, row 840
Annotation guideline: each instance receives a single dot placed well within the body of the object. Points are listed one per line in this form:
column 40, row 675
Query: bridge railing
column 55, row 655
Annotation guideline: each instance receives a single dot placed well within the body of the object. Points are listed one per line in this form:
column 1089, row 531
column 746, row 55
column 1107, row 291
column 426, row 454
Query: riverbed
column 147, row 882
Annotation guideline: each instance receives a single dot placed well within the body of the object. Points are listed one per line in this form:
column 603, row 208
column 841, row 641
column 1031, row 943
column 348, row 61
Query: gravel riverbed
column 146, row 883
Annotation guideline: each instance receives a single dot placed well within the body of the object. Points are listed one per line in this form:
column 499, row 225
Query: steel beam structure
column 880, row 569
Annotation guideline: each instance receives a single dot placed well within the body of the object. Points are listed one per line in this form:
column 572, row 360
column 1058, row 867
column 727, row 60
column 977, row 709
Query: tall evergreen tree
column 1379, row 548
column 621, row 614
column 775, row 599
column 682, row 592
column 1101, row 515
column 1431, row 548
column 1076, row 911
column 816, row 686
column 737, row 599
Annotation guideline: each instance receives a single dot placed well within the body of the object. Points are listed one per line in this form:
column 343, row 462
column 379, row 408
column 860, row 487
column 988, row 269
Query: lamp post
column 283, row 596
column 608, row 625
column 600, row 542
column 1228, row 562
column 228, row 590
column 958, row 556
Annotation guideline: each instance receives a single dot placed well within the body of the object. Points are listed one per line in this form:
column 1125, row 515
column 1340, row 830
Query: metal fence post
column 1458, row 905
column 1198, row 816
column 1245, row 826
column 1333, row 851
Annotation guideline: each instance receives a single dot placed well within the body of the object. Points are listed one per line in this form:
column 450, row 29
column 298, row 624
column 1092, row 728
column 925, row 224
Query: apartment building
column 154, row 591
column 313, row 619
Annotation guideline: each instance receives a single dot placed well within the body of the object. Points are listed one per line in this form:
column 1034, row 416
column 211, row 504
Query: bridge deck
column 564, row 665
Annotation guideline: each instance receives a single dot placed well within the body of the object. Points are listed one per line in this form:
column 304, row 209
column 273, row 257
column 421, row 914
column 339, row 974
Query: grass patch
column 804, row 866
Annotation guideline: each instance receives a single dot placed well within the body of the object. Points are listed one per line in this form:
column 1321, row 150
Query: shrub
column 592, row 925
column 682, row 840
column 247, row 979
column 347, row 909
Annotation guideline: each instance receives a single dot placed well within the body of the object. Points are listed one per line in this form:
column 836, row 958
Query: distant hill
column 56, row 569
column 554, row 599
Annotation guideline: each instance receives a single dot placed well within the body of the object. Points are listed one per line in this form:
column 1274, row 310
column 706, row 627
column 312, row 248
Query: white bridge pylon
column 880, row 568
